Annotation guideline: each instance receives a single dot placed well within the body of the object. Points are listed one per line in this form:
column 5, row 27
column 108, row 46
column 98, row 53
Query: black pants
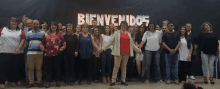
column 183, row 70
column 190, row 66
column 50, row 63
column 130, row 67
column 3, row 67
column 85, row 66
column 96, row 67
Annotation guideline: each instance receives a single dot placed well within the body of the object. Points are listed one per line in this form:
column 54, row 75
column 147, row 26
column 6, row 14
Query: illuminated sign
column 106, row 19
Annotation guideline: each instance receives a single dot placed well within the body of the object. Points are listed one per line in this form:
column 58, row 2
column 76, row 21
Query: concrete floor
column 134, row 85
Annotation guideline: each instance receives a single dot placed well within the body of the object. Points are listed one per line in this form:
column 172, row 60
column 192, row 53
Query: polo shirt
column 34, row 40
column 10, row 39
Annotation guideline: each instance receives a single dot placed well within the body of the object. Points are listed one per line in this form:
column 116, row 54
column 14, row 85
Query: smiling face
column 188, row 27
column 170, row 27
column 183, row 31
column 78, row 28
column 13, row 24
column 158, row 27
column 35, row 24
column 96, row 31
column 206, row 27
column 107, row 30
column 20, row 26
column 151, row 27
column 164, row 28
column 142, row 29
column 53, row 27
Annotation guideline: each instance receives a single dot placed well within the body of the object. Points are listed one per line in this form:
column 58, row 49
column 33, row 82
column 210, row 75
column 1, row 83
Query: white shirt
column 106, row 40
column 183, row 50
column 10, row 40
column 153, row 40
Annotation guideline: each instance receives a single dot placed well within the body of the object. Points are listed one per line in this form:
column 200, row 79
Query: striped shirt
column 34, row 39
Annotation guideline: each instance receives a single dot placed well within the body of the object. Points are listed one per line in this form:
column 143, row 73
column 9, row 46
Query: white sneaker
column 192, row 77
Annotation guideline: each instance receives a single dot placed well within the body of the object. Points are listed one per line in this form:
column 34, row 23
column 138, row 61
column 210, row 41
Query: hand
column 171, row 51
column 76, row 53
column 62, row 48
column 189, row 58
column 17, row 51
column 42, row 48
column 194, row 52
column 100, row 50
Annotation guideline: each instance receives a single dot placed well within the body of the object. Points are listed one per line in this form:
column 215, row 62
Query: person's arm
column 219, row 47
column 135, row 48
column 62, row 42
column 144, row 38
column 76, row 43
column 101, row 39
column 178, row 46
column 110, row 42
column 21, row 43
column 43, row 43
column 94, row 44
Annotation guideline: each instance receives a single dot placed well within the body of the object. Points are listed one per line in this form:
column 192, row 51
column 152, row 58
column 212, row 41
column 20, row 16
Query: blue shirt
column 34, row 39
column 85, row 46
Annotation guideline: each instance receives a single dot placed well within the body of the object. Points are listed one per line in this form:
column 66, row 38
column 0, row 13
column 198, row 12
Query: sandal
column 212, row 80
column 205, row 80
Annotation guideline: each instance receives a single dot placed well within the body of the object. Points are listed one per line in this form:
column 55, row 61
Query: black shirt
column 138, row 39
column 208, row 43
column 171, row 40
column 193, row 39
column 71, row 44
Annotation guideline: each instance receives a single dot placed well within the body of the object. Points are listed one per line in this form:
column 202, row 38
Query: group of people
column 44, row 47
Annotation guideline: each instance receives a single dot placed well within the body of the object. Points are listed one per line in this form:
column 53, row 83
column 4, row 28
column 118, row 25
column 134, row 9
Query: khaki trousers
column 35, row 60
column 120, row 61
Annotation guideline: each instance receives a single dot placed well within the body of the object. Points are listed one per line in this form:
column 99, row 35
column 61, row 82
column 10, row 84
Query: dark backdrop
column 177, row 11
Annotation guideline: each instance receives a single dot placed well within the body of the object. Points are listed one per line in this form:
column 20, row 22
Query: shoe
column 183, row 82
column 124, row 83
column 89, row 82
column 187, row 77
column 30, row 85
column 177, row 82
column 139, row 78
column 47, row 85
column 96, row 81
column 142, row 79
column 108, row 80
column 112, row 84
column 13, row 84
column 6, row 83
column 72, row 84
column 192, row 77
column 146, row 82
column 19, row 82
column 205, row 80
column 58, row 84
column 80, row 83
column 160, row 81
column 211, row 80
column 104, row 80
column 167, row 81
column 40, row 85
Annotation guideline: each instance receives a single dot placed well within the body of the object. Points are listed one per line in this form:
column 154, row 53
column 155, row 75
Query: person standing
column 185, row 52
column 11, row 42
column 208, row 43
column 171, row 43
column 190, row 66
column 52, row 45
column 94, row 25
column 121, row 53
column 70, row 54
column 34, row 54
column 86, row 43
column 152, row 48
column 106, row 56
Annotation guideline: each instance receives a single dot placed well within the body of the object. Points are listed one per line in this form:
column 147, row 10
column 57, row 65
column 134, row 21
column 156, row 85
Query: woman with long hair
column 208, row 44
column 78, row 29
column 106, row 56
column 96, row 54
column 122, row 49
column 52, row 45
column 185, row 52
column 138, row 39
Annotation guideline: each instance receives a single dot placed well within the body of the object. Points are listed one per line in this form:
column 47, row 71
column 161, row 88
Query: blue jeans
column 69, row 62
column 208, row 60
column 171, row 66
column 148, row 59
column 106, row 63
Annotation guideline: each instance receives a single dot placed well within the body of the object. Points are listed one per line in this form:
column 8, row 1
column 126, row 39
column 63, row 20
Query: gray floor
column 134, row 85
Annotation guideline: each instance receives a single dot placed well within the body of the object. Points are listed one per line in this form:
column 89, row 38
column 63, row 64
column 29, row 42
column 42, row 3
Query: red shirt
column 124, row 43
column 53, row 43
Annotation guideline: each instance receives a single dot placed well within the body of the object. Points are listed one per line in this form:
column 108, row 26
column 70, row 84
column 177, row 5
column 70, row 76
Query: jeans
column 106, row 63
column 171, row 66
column 148, row 61
column 208, row 60
column 69, row 62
